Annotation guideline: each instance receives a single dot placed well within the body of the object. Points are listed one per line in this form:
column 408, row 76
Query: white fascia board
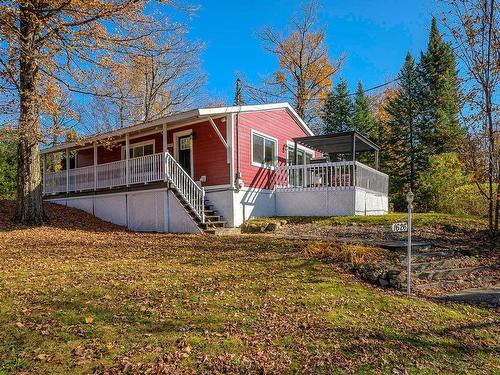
column 194, row 114
column 256, row 108
column 182, row 116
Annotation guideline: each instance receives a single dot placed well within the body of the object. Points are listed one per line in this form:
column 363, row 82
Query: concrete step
column 212, row 225
column 440, row 264
column 446, row 274
column 223, row 231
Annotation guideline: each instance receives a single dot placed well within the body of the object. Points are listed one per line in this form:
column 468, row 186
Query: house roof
column 180, row 117
column 338, row 143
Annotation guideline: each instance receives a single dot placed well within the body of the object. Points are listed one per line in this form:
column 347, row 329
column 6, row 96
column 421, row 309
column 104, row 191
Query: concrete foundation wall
column 251, row 203
column 315, row 203
column 146, row 211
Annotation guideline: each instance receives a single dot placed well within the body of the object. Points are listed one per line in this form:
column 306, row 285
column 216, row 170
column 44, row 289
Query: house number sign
column 400, row 227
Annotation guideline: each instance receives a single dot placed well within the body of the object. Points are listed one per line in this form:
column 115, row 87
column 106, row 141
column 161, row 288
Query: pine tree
column 440, row 129
column 404, row 116
column 338, row 110
column 362, row 119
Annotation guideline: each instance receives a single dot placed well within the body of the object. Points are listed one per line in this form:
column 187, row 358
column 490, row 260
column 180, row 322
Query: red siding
column 277, row 124
column 209, row 154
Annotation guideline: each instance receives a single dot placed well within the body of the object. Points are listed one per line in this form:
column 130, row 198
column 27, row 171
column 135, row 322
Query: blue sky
column 374, row 35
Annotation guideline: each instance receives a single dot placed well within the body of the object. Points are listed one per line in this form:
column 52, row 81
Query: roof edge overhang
column 353, row 133
column 187, row 116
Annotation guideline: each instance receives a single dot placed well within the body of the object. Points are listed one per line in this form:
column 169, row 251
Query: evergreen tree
column 440, row 129
column 338, row 110
column 8, row 159
column 362, row 119
column 404, row 115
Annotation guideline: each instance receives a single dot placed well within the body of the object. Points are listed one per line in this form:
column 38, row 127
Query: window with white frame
column 264, row 150
column 140, row 149
column 303, row 156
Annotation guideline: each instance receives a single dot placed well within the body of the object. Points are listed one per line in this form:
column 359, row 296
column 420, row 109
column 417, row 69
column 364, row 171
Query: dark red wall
column 277, row 124
column 209, row 154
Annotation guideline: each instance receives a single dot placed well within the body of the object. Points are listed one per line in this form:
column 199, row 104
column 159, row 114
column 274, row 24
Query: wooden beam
column 218, row 132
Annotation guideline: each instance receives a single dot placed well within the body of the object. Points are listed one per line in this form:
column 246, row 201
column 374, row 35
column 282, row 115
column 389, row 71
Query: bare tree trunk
column 29, row 209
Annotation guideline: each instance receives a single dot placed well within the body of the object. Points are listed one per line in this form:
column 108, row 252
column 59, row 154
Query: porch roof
column 338, row 143
column 178, row 118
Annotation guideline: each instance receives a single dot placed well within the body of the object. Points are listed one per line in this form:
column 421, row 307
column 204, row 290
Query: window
column 303, row 156
column 141, row 149
column 264, row 150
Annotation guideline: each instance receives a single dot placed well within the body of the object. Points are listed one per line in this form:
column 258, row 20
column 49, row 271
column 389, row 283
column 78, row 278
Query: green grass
column 446, row 221
column 216, row 304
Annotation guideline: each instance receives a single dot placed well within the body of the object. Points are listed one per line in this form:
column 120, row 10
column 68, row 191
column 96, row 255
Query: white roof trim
column 183, row 116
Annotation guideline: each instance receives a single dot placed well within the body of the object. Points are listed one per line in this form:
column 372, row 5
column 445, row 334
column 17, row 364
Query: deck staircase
column 213, row 220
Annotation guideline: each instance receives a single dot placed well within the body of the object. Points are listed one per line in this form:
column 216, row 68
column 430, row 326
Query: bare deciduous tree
column 305, row 68
column 71, row 42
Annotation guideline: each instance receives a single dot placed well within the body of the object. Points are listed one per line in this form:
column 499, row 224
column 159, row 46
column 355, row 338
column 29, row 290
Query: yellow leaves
column 89, row 319
column 19, row 325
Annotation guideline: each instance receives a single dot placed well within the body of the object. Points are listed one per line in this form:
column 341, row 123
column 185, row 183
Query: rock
column 383, row 282
column 253, row 228
column 272, row 227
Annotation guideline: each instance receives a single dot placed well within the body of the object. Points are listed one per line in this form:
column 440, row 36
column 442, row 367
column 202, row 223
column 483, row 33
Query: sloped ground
column 459, row 256
column 83, row 296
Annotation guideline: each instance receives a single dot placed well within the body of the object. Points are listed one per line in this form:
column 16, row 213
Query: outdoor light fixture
column 409, row 197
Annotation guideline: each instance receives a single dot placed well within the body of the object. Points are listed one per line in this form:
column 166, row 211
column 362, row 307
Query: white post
column 67, row 170
column 165, row 152
column 127, row 157
column 95, row 165
column 408, row 261
column 44, row 170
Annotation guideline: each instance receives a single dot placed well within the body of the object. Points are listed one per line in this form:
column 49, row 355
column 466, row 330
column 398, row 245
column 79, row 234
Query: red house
column 212, row 167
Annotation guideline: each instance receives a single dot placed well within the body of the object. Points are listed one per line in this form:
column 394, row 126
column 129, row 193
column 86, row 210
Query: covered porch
column 322, row 173
column 128, row 159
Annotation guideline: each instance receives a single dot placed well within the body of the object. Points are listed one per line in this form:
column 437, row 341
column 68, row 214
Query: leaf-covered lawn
column 445, row 221
column 106, row 300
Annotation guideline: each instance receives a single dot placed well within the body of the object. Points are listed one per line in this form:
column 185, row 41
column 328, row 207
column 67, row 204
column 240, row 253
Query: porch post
column 165, row 152
column 377, row 161
column 44, row 170
column 95, row 165
column 295, row 162
column 353, row 148
column 67, row 170
column 354, row 159
column 127, row 157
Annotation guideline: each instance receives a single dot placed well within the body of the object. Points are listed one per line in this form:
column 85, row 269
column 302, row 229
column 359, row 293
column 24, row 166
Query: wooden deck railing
column 141, row 170
column 339, row 175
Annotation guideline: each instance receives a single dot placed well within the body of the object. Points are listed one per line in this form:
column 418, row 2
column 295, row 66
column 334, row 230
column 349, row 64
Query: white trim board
column 176, row 136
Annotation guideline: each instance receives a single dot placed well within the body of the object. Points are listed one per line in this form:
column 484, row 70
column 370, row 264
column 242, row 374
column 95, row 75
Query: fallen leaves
column 97, row 298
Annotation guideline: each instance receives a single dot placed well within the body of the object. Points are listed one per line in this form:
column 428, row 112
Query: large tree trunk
column 29, row 209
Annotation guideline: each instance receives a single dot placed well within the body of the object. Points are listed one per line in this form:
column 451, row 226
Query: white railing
column 111, row 174
column 146, row 169
column 192, row 193
column 55, row 182
column 339, row 175
column 141, row 170
column 81, row 179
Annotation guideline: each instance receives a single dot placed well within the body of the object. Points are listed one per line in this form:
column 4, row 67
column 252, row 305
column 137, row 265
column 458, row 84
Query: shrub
column 446, row 187
column 437, row 185
column 343, row 253
column 469, row 201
